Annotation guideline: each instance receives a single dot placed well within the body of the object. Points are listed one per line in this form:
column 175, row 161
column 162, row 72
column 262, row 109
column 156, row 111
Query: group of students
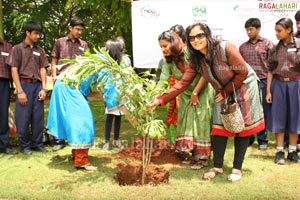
column 70, row 117
column 266, row 80
column 264, row 76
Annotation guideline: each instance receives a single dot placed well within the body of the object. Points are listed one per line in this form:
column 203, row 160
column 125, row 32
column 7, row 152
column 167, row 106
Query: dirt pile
column 131, row 174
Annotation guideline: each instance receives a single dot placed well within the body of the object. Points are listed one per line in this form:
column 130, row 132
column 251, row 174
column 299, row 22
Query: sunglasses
column 199, row 36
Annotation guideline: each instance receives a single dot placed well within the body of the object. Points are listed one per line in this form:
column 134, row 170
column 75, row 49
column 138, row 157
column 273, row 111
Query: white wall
column 225, row 18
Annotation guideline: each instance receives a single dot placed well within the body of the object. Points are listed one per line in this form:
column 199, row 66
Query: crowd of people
column 198, row 73
column 70, row 119
column 264, row 76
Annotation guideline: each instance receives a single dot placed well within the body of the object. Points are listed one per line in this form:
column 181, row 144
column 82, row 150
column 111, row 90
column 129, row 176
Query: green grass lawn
column 44, row 176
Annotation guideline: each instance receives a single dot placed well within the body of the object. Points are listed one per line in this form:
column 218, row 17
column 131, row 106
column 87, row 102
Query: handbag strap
column 235, row 97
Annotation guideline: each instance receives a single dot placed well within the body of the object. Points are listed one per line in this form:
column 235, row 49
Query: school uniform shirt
column 65, row 48
column 28, row 60
column 257, row 55
column 5, row 48
column 286, row 56
column 285, row 90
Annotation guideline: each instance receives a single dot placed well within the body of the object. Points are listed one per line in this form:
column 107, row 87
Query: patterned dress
column 230, row 68
column 194, row 122
column 248, row 95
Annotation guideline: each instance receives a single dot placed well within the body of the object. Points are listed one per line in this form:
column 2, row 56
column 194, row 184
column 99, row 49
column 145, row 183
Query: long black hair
column 195, row 55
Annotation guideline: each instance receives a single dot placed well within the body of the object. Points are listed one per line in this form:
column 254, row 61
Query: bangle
column 21, row 92
column 194, row 93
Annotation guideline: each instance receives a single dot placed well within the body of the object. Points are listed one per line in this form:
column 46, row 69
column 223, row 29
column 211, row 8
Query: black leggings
column 108, row 126
column 240, row 148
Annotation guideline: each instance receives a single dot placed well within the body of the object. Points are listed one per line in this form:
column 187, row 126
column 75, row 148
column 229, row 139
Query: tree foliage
column 135, row 92
column 104, row 19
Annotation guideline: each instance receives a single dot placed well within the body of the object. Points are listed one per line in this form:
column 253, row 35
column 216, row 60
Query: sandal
column 186, row 161
column 235, row 175
column 117, row 144
column 87, row 167
column 212, row 173
column 199, row 164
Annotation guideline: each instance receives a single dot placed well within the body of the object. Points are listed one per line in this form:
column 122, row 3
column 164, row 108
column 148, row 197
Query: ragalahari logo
column 147, row 11
column 268, row 5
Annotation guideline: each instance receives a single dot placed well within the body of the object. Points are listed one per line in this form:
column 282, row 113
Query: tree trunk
column 1, row 22
column 147, row 149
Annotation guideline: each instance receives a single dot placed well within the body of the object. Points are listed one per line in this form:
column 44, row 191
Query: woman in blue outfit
column 70, row 118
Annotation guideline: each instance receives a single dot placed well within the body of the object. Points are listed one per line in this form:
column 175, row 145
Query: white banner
column 225, row 18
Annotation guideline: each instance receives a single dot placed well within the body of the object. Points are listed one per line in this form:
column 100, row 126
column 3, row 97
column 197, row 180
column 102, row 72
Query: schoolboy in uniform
column 256, row 52
column 67, row 47
column 5, row 78
column 297, row 19
column 28, row 62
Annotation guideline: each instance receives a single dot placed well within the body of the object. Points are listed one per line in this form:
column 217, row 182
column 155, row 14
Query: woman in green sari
column 196, row 103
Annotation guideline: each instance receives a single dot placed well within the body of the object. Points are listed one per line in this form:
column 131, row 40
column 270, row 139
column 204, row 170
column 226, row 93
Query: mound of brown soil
column 131, row 174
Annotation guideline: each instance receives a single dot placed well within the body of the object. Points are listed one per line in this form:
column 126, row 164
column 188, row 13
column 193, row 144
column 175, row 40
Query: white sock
column 292, row 148
column 279, row 149
column 298, row 146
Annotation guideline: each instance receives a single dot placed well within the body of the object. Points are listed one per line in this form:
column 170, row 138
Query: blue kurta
column 70, row 117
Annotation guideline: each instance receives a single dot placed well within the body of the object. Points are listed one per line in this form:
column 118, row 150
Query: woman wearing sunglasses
column 195, row 105
column 221, row 64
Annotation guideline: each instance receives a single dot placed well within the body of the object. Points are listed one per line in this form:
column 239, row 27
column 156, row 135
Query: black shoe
column 8, row 151
column 40, row 149
column 294, row 157
column 26, row 151
column 58, row 147
column 279, row 158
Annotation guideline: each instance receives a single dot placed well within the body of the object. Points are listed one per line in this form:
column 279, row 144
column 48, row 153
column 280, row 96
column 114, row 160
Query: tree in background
column 104, row 19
